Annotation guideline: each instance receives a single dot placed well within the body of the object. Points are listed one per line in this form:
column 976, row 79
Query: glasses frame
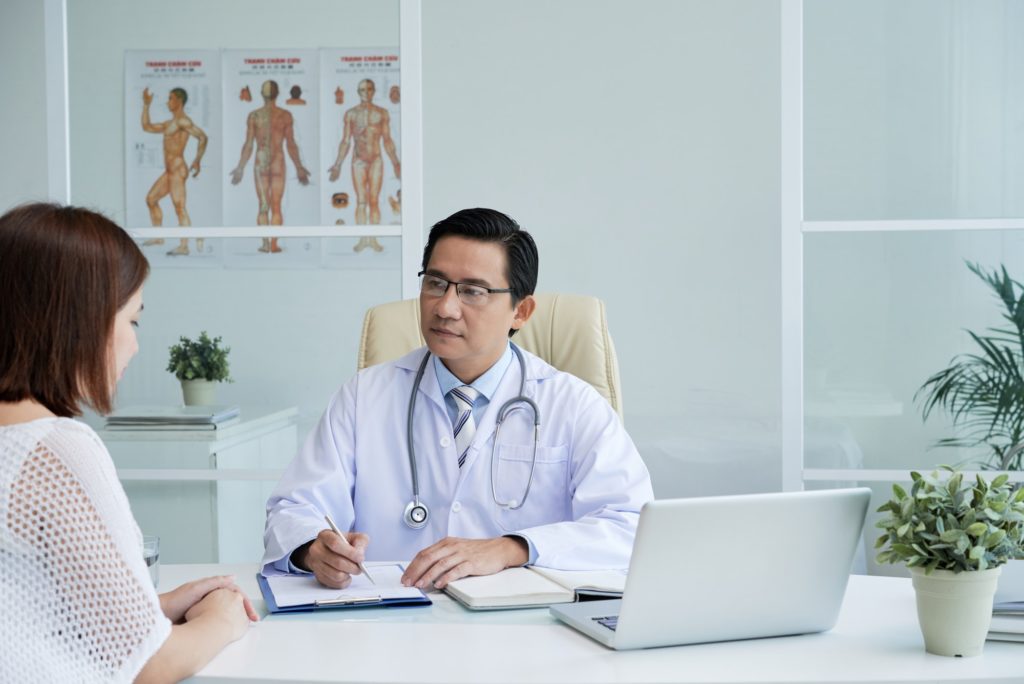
column 458, row 292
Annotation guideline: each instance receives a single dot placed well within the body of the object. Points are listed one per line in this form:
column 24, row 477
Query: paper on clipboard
column 301, row 590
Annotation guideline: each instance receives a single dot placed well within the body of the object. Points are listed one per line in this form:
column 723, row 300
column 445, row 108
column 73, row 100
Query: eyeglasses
column 469, row 294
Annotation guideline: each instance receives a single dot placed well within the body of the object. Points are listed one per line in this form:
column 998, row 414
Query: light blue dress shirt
column 486, row 385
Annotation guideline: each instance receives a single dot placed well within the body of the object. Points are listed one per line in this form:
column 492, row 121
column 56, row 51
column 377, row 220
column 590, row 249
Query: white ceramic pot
column 199, row 392
column 954, row 609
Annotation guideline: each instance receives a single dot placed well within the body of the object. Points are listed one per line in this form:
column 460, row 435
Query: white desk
column 876, row 640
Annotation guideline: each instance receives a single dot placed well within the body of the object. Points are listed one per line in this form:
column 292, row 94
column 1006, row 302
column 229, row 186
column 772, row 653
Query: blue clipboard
column 331, row 604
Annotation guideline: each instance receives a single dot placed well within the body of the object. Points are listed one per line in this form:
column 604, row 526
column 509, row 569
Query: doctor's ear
column 523, row 310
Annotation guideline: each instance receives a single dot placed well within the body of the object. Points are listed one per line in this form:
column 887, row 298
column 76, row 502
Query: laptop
column 731, row 567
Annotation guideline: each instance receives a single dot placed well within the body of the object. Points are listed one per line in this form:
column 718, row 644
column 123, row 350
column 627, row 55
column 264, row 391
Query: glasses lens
column 473, row 295
column 433, row 286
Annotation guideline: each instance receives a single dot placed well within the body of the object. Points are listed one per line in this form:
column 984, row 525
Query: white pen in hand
column 334, row 528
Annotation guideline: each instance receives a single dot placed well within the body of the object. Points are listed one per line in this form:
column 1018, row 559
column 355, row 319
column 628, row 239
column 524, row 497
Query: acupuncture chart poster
column 271, row 154
column 172, row 113
column 360, row 149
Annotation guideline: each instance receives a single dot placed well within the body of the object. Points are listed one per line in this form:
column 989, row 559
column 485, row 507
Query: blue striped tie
column 465, row 426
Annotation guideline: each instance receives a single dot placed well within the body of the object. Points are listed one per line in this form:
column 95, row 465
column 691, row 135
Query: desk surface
column 876, row 640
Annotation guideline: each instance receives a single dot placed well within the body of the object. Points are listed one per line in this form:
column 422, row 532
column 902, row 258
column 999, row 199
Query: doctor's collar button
column 456, row 507
column 445, row 442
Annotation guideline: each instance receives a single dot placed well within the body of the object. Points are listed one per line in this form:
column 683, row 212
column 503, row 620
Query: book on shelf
column 1007, row 621
column 173, row 417
column 533, row 587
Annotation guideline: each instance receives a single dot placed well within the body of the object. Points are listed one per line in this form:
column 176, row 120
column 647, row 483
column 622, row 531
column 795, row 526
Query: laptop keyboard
column 611, row 621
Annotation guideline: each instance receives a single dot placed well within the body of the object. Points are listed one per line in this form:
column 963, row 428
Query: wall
column 23, row 80
column 638, row 141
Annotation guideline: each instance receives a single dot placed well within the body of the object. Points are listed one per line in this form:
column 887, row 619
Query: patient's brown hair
column 65, row 272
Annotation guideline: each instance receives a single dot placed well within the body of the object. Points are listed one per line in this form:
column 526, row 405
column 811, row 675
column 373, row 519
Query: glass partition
column 883, row 313
column 913, row 109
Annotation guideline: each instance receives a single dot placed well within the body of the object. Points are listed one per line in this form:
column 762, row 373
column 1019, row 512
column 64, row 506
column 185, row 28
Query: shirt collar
column 486, row 384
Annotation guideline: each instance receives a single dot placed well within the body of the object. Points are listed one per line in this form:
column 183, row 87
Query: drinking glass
column 151, row 554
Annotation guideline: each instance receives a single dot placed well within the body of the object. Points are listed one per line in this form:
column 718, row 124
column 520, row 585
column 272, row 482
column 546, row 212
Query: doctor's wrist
column 298, row 556
column 519, row 551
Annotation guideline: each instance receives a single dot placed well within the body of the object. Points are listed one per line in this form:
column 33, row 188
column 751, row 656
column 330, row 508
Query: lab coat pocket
column 548, row 498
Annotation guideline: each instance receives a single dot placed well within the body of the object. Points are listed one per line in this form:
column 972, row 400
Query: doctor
column 448, row 505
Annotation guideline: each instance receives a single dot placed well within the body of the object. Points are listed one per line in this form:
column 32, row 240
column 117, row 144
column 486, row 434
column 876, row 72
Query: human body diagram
column 270, row 131
column 367, row 129
column 176, row 132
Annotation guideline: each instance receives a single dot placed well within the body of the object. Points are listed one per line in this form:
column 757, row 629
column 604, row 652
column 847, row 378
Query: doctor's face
column 469, row 339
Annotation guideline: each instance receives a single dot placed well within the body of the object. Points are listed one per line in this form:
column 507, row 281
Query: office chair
column 568, row 331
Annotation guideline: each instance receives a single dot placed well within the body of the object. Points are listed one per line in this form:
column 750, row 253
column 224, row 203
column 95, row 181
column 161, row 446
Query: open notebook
column 532, row 587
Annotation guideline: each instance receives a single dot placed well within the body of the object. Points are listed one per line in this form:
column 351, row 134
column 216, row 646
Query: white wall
column 638, row 141
column 22, row 116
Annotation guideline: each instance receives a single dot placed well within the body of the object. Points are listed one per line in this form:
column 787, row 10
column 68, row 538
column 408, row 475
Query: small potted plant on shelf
column 954, row 536
column 198, row 364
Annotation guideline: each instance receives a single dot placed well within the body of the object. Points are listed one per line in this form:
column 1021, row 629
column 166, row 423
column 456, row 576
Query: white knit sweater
column 76, row 600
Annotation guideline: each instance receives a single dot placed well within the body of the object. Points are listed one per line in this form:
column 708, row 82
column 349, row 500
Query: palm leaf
column 983, row 392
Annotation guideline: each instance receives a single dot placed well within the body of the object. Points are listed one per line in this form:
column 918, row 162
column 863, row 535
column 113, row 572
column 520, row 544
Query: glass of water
column 151, row 554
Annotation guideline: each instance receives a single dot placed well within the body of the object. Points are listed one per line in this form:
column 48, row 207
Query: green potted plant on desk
column 954, row 536
column 199, row 364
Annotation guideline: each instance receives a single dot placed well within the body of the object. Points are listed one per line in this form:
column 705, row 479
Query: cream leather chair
column 568, row 331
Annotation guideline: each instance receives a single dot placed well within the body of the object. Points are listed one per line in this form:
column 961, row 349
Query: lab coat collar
column 536, row 369
column 429, row 386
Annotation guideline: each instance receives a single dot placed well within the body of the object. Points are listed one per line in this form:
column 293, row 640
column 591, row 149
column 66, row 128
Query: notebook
column 731, row 567
column 533, row 587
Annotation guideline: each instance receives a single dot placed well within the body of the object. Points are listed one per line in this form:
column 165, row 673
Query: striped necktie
column 465, row 426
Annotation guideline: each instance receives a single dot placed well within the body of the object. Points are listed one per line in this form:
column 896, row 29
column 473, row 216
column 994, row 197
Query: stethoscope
column 416, row 512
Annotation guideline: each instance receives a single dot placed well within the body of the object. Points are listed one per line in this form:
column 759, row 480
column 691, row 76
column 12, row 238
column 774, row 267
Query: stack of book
column 172, row 418
column 1007, row 621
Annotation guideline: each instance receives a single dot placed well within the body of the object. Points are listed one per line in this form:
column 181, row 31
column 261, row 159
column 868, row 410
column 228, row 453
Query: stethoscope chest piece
column 416, row 515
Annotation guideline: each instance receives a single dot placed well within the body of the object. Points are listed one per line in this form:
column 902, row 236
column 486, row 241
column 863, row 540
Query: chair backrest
column 568, row 331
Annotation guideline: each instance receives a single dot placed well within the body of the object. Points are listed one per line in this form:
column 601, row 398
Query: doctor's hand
column 452, row 558
column 333, row 558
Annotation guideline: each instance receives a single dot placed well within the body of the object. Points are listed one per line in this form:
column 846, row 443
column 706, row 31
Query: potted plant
column 983, row 392
column 198, row 364
column 954, row 536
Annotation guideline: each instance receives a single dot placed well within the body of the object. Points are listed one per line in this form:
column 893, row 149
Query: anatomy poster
column 173, row 149
column 360, row 105
column 270, row 144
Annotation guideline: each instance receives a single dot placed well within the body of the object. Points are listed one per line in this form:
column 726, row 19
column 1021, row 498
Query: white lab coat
column 582, row 508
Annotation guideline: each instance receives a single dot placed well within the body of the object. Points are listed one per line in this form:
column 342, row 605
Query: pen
column 335, row 529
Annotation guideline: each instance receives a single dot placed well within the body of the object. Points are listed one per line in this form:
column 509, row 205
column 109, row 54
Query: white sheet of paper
column 299, row 590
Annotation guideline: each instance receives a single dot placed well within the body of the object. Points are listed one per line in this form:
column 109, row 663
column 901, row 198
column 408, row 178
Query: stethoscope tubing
column 416, row 512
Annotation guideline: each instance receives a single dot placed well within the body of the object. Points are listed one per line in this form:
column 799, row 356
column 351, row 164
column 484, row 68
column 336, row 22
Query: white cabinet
column 204, row 491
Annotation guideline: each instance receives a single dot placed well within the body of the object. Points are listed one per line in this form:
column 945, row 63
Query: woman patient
column 76, row 600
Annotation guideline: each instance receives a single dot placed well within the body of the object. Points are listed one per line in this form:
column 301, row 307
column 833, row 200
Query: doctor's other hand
column 333, row 557
column 176, row 602
column 453, row 558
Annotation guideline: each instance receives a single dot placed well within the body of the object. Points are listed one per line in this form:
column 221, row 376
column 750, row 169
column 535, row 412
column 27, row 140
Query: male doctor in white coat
column 581, row 511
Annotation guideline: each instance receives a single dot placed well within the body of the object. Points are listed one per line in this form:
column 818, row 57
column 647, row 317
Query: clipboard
column 304, row 594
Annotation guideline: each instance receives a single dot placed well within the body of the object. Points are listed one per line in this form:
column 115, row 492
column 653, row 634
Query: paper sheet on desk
column 299, row 590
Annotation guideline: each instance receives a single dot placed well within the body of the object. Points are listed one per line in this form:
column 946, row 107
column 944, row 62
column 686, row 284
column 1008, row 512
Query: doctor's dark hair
column 487, row 225
column 65, row 272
